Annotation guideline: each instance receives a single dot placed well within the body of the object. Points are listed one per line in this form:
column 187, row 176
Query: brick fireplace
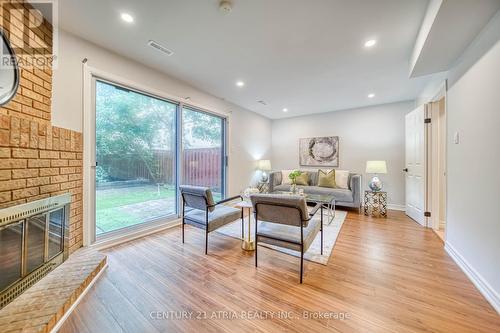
column 37, row 160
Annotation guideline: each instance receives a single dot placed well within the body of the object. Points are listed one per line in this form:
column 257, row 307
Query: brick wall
column 37, row 160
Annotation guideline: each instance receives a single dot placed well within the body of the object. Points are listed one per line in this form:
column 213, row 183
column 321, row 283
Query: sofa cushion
column 303, row 179
column 284, row 177
column 326, row 178
column 342, row 179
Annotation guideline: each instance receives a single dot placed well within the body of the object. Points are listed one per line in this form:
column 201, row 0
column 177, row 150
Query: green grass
column 112, row 212
column 121, row 207
column 116, row 197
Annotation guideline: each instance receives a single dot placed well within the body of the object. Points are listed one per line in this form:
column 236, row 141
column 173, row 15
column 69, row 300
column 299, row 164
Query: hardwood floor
column 385, row 275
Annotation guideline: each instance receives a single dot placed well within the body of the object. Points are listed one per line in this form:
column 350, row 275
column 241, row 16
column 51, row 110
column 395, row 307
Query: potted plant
column 293, row 177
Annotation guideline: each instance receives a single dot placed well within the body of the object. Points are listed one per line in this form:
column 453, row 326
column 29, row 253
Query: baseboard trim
column 481, row 284
column 73, row 306
column 396, row 207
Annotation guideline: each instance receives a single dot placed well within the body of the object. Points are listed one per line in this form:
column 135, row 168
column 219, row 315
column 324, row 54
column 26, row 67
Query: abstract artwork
column 321, row 151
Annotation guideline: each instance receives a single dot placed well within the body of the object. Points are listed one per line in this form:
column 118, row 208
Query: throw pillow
column 303, row 179
column 284, row 177
column 326, row 178
column 342, row 179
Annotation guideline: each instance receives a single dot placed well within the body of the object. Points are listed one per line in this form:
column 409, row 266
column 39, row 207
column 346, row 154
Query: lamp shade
column 264, row 165
column 376, row 167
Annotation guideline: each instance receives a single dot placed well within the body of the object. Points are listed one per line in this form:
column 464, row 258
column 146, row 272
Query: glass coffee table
column 325, row 200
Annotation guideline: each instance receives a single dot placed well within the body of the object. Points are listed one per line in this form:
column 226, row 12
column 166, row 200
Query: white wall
column 473, row 110
column 250, row 134
column 371, row 133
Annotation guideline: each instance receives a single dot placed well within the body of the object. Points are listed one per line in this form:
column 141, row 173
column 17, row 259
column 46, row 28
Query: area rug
column 330, row 234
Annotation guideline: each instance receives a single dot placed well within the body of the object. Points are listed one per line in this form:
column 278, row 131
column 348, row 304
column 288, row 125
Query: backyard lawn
column 118, row 207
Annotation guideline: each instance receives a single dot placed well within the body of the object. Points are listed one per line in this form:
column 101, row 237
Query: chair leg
column 242, row 225
column 301, row 263
column 206, row 241
column 183, row 230
column 321, row 230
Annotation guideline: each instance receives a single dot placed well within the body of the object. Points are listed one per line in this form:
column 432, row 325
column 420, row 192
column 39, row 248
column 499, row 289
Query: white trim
column 73, row 306
column 396, row 207
column 481, row 284
column 131, row 235
column 441, row 91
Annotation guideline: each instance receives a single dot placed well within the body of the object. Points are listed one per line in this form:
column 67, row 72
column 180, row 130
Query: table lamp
column 376, row 167
column 264, row 165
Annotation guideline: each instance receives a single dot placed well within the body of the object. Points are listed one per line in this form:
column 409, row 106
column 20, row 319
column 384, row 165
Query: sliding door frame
column 90, row 76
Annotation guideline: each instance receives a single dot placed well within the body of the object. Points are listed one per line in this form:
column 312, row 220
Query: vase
column 294, row 188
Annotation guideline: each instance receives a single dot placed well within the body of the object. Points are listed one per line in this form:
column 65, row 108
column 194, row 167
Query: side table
column 375, row 203
column 248, row 244
column 263, row 187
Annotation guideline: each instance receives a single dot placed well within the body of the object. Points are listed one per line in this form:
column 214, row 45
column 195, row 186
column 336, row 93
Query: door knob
column 405, row 169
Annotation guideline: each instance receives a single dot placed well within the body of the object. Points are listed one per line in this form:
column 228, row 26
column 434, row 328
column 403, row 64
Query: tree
column 132, row 125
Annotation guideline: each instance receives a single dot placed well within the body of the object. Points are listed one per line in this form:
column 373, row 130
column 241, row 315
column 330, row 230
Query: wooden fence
column 200, row 167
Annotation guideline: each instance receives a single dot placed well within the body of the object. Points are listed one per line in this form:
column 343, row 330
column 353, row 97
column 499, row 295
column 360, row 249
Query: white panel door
column 415, row 165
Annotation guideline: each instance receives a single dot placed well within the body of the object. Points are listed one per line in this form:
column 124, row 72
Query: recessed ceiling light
column 370, row 43
column 240, row 83
column 371, row 95
column 127, row 17
column 285, row 110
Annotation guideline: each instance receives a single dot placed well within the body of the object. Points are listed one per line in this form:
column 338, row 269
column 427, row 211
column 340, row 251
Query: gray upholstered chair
column 284, row 221
column 204, row 213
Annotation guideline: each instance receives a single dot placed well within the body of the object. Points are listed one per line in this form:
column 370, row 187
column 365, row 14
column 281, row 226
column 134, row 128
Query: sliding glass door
column 203, row 151
column 145, row 147
column 135, row 172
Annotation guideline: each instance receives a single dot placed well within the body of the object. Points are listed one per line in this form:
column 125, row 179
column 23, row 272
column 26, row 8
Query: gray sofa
column 343, row 197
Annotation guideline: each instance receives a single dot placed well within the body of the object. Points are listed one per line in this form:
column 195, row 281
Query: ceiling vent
column 160, row 48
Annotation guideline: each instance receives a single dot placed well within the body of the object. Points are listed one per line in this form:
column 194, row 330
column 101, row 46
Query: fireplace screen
column 11, row 238
column 33, row 240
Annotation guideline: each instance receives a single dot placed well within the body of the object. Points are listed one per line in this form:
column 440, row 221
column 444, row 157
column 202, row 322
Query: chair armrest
column 228, row 199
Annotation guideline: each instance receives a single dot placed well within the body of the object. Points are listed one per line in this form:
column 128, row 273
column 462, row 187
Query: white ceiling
column 305, row 55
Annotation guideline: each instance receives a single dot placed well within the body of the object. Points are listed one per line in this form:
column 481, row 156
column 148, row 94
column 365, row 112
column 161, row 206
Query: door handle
column 405, row 169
